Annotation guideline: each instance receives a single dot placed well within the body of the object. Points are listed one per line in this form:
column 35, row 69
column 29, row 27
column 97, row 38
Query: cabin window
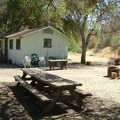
column 47, row 42
column 11, row 44
column 18, row 41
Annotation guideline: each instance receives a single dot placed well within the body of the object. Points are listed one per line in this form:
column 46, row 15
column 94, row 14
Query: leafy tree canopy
column 79, row 19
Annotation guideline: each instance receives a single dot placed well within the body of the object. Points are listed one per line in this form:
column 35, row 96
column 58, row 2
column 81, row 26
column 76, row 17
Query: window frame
column 18, row 44
column 11, row 44
column 47, row 43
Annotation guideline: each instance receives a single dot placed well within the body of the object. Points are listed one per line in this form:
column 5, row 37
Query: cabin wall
column 13, row 54
column 34, row 43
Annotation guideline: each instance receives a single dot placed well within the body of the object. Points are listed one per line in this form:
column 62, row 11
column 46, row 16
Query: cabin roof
column 29, row 31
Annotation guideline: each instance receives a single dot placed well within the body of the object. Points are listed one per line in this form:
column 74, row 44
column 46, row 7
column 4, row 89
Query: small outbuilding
column 45, row 41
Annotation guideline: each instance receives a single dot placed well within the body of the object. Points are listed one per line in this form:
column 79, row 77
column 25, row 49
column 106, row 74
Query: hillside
column 105, row 55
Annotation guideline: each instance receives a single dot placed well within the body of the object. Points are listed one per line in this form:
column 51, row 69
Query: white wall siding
column 32, row 44
column 60, row 45
column 13, row 54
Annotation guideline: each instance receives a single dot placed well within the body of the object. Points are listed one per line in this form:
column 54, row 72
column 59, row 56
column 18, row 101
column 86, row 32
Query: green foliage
column 92, row 42
column 104, row 41
column 74, row 47
column 17, row 14
column 109, row 39
column 77, row 18
column 115, row 42
column 110, row 32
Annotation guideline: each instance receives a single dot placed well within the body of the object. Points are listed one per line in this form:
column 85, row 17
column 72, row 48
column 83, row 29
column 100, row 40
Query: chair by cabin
column 42, row 61
column 34, row 60
column 26, row 61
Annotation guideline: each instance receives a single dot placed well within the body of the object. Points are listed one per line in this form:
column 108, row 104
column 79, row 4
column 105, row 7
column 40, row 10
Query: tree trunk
column 85, row 43
column 83, row 56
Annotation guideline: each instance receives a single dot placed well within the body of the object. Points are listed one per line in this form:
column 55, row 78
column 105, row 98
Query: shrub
column 74, row 46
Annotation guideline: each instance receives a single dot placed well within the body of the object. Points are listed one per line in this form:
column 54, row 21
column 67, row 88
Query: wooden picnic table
column 61, row 62
column 55, row 83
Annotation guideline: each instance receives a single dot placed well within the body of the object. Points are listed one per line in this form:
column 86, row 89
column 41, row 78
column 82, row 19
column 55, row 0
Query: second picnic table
column 62, row 63
column 56, row 84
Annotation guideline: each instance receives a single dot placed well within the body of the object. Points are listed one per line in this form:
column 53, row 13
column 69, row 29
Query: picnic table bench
column 31, row 89
column 55, row 84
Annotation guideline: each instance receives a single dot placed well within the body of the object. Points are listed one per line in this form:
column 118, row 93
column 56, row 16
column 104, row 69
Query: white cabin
column 46, row 41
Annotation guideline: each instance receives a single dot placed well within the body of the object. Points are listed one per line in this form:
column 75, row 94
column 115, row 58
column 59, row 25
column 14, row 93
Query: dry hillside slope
column 105, row 55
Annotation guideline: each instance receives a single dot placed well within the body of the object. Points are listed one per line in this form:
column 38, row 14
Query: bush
column 74, row 47
column 103, row 42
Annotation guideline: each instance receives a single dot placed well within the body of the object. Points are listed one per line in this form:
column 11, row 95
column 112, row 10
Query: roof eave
column 46, row 28
column 21, row 36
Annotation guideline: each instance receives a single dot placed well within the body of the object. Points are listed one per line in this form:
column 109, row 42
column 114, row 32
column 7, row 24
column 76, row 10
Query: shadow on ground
column 15, row 106
column 7, row 65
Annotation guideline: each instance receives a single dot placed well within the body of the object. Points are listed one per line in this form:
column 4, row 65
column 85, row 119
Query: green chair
column 34, row 60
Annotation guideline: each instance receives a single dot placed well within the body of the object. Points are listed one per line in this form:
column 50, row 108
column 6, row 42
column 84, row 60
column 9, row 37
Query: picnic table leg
column 50, row 65
column 76, row 96
column 66, row 65
column 55, row 99
column 24, row 75
column 33, row 82
column 61, row 63
column 54, row 65
column 18, row 84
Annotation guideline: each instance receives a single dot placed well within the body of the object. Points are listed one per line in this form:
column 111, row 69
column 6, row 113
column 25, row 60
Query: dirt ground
column 100, row 94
